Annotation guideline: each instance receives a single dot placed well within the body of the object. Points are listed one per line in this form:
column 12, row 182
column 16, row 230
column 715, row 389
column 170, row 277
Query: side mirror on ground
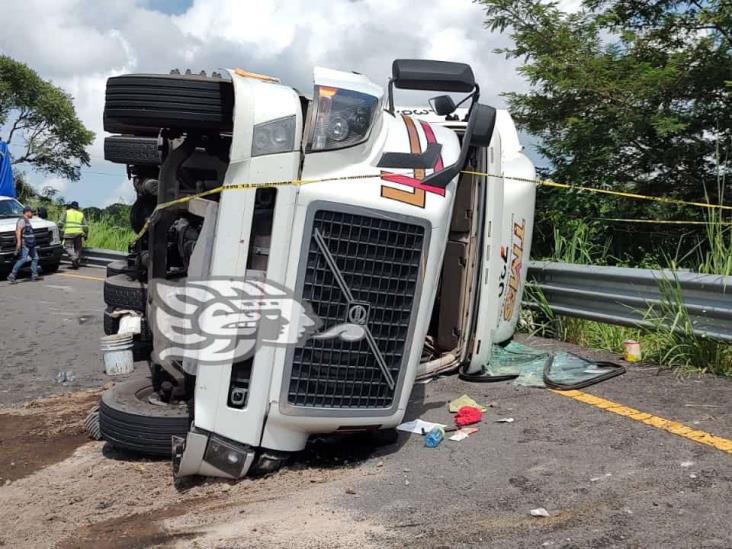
column 485, row 121
column 442, row 105
column 42, row 213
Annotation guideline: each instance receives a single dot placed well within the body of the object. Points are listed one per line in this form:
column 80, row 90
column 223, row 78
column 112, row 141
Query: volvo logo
column 358, row 313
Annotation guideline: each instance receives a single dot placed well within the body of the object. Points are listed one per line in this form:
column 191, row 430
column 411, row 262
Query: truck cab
column 384, row 241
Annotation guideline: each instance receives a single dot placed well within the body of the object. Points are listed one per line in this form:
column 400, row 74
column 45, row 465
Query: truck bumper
column 47, row 255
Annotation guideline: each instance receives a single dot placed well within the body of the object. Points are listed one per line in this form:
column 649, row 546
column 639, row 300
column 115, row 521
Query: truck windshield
column 10, row 208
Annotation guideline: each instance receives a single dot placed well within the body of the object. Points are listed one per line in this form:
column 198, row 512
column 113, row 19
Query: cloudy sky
column 78, row 44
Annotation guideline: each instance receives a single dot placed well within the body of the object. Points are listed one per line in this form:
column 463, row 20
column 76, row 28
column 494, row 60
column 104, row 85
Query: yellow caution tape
column 662, row 199
column 537, row 182
column 663, row 221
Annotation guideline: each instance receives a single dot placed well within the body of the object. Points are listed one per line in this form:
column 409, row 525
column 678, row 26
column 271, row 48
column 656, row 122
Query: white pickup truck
column 387, row 239
column 47, row 237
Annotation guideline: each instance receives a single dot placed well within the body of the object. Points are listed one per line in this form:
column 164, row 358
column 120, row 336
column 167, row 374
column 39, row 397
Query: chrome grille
column 7, row 239
column 357, row 263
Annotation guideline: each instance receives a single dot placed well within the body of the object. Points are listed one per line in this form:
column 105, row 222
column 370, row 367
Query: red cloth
column 467, row 415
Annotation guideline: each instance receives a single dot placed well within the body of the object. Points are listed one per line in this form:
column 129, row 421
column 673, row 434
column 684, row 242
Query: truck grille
column 368, row 268
column 7, row 239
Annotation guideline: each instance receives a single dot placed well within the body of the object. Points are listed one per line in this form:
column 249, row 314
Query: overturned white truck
column 387, row 240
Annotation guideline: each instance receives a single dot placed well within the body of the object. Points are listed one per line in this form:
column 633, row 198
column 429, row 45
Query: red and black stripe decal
column 417, row 196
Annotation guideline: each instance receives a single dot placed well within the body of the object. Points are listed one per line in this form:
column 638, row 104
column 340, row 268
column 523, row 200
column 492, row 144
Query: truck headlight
column 340, row 118
column 272, row 137
column 55, row 237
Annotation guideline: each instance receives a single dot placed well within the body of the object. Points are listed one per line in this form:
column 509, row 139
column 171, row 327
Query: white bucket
column 117, row 351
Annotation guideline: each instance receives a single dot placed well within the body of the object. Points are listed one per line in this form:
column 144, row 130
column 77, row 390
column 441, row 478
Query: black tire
column 143, row 208
column 52, row 267
column 129, row 421
column 111, row 326
column 131, row 149
column 140, row 104
column 118, row 267
column 123, row 292
column 141, row 350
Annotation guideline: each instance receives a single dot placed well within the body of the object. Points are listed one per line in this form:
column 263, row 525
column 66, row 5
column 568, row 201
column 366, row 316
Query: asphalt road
column 50, row 326
column 606, row 480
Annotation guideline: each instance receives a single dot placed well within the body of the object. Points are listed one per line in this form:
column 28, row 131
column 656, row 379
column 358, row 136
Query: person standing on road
column 74, row 228
column 25, row 244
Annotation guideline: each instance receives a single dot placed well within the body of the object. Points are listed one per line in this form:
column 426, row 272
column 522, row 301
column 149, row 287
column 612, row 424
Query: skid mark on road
column 85, row 277
column 702, row 437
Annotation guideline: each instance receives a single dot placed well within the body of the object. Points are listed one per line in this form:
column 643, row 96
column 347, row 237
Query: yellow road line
column 702, row 437
column 85, row 277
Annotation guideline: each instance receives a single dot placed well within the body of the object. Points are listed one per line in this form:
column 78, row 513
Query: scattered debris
column 505, row 420
column 418, row 426
column 467, row 415
column 406, row 482
column 380, row 464
column 631, row 350
column 464, row 400
column 434, row 438
column 692, row 475
column 606, row 475
column 463, row 433
column 687, row 463
column 539, row 512
column 65, row 376
column 350, row 491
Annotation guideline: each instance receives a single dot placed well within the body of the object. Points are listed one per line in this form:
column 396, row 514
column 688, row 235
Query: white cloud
column 123, row 193
column 80, row 43
column 57, row 183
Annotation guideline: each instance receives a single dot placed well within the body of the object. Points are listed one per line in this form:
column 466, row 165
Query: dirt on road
column 59, row 489
column 606, row 482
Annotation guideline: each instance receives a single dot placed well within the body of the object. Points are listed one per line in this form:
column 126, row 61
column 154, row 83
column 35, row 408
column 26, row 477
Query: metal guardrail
column 615, row 295
column 619, row 295
column 97, row 257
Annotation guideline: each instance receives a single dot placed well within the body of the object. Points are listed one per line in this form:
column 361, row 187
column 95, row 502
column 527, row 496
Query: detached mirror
column 42, row 213
column 442, row 105
column 485, row 121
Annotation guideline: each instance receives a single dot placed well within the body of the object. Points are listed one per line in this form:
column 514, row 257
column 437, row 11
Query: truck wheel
column 141, row 104
column 52, row 267
column 132, row 149
column 143, row 208
column 132, row 419
column 111, row 326
column 122, row 292
column 117, row 267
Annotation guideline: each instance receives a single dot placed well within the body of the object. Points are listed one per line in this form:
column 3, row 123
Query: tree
column 42, row 119
column 632, row 94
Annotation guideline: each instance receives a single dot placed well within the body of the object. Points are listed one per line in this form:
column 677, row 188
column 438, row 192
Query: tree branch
column 721, row 30
column 16, row 125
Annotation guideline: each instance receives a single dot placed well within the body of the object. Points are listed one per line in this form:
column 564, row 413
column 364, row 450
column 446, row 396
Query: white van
column 47, row 237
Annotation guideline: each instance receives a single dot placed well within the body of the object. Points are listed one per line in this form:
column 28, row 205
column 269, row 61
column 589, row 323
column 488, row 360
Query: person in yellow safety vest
column 74, row 229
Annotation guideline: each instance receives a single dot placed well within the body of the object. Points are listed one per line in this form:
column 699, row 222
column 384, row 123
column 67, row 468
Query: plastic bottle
column 434, row 437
